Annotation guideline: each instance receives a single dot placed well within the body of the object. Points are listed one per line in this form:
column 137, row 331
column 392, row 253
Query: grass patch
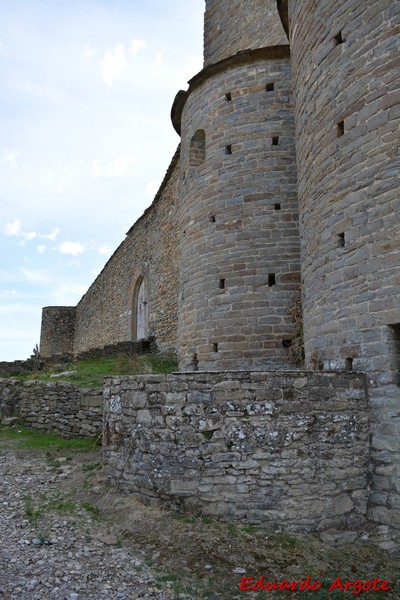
column 30, row 439
column 32, row 512
column 90, row 372
column 92, row 510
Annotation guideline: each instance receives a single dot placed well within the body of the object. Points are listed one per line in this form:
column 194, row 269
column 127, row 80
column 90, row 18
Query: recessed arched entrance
column 140, row 310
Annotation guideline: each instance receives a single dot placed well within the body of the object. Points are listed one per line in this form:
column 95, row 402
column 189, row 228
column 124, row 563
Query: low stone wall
column 282, row 450
column 58, row 407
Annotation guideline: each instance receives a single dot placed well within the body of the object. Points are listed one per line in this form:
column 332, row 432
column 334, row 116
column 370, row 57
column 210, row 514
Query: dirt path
column 65, row 534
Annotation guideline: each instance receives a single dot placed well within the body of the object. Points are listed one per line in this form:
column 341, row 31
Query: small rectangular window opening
column 275, row 140
column 269, row 87
column 271, row 279
column 348, row 364
column 228, row 97
column 340, row 240
column 277, row 206
column 222, row 284
column 212, row 218
column 338, row 39
column 215, row 347
column 340, row 129
column 228, row 149
column 286, row 343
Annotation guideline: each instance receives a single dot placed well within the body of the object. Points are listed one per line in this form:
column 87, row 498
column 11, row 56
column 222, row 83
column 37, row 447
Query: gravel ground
column 64, row 552
column 66, row 534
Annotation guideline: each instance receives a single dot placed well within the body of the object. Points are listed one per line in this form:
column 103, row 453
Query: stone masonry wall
column 58, row 407
column 240, row 248
column 57, row 331
column 231, row 26
column 106, row 314
column 281, row 450
column 346, row 78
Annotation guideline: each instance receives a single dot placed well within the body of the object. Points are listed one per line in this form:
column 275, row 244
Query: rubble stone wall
column 285, row 450
column 58, row 407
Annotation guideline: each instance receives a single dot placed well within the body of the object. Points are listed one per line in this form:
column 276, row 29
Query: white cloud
column 137, row 45
column 114, row 65
column 41, row 249
column 51, row 236
column 105, row 249
column 30, row 235
column 10, row 158
column 73, row 248
column 13, row 228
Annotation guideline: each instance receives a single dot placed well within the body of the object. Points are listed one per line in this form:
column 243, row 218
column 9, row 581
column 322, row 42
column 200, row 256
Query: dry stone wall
column 346, row 78
column 240, row 249
column 57, row 407
column 281, row 450
column 106, row 314
column 231, row 26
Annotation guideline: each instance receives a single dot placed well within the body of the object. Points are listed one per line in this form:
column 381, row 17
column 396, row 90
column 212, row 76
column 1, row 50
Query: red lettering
column 305, row 584
column 317, row 585
column 357, row 587
column 367, row 583
column 385, row 585
column 294, row 585
column 259, row 583
column 336, row 584
column 348, row 585
column 284, row 585
column 271, row 586
column 244, row 582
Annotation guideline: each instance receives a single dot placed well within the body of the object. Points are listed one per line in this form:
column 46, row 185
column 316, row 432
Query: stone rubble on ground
column 60, row 556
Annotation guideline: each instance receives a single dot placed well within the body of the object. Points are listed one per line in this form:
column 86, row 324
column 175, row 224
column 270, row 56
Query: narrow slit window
column 271, row 279
column 212, row 218
column 341, row 242
column 228, row 97
column 286, row 343
column 270, row 87
column 338, row 39
column 275, row 140
column 228, row 149
column 340, row 129
column 222, row 284
column 394, row 351
column 215, row 347
column 277, row 206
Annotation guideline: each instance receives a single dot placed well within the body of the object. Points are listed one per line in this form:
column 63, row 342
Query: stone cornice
column 241, row 58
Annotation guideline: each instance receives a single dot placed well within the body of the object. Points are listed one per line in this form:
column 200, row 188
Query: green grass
column 92, row 510
column 91, row 372
column 31, row 439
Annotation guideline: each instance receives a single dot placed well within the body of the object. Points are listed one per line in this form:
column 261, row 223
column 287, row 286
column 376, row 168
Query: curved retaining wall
column 345, row 60
column 238, row 219
column 281, row 450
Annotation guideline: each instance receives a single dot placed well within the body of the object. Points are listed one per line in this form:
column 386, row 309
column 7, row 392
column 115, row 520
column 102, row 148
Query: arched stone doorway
column 140, row 311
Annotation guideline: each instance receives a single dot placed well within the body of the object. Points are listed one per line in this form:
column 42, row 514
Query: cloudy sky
column 86, row 89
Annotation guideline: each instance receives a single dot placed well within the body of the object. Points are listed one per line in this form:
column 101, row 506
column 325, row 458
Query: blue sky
column 86, row 89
